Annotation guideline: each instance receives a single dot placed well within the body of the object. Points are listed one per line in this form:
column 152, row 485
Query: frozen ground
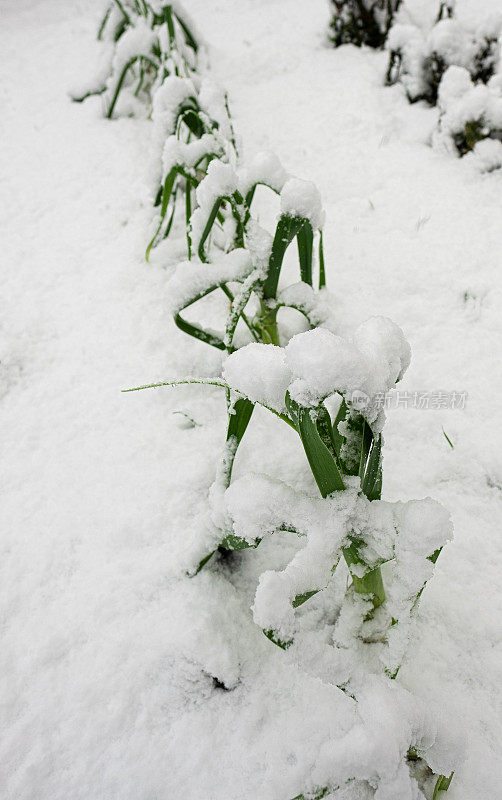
column 109, row 652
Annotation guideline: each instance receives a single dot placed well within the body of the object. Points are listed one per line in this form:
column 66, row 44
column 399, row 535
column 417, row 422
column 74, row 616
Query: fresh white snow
column 109, row 651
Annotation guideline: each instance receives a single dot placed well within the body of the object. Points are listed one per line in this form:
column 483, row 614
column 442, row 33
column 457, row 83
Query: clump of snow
column 366, row 756
column 320, row 363
column 179, row 153
column 448, row 40
column 469, row 113
column 300, row 198
column 221, row 181
column 213, row 100
column 138, row 40
column 192, row 279
column 384, row 344
column 170, row 95
column 486, row 155
column 259, row 243
column 265, row 168
column 260, row 372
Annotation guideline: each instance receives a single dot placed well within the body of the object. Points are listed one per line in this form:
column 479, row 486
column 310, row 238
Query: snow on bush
column 455, row 64
column 470, row 115
column 422, row 48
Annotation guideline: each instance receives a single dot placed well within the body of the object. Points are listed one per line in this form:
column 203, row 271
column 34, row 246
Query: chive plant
column 248, row 274
column 192, row 138
column 149, row 42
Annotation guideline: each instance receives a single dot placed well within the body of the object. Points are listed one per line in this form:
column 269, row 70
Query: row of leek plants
column 155, row 58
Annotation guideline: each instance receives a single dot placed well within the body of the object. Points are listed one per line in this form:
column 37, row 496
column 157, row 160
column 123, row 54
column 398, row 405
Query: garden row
column 323, row 386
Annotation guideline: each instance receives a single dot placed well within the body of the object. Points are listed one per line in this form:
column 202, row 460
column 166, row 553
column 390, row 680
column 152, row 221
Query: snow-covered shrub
column 471, row 117
column 362, row 22
column 421, row 50
column 143, row 43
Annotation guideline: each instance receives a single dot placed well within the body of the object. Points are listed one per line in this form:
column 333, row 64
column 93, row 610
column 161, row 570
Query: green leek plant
column 260, row 285
column 168, row 47
column 338, row 451
column 183, row 176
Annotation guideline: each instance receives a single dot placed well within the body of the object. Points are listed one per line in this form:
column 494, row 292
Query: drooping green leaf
column 121, row 79
column 189, row 37
column 305, row 239
column 322, row 463
column 286, row 230
column 239, row 419
column 208, row 227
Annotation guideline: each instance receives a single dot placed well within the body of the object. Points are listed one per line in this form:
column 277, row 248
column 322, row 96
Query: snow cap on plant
column 318, row 363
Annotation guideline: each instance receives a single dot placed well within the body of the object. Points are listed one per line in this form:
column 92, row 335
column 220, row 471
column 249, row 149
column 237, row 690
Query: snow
column 179, row 153
column 259, row 371
column 300, row 198
column 192, row 278
column 220, row 181
column 265, row 168
column 167, row 99
column 318, row 363
column 323, row 363
column 109, row 651
column 138, row 40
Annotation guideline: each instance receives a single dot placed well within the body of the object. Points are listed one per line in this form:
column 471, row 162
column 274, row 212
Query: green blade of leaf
column 366, row 442
column 300, row 599
column 370, row 484
column 181, row 382
column 198, row 333
column 189, row 37
column 322, row 463
column 325, row 429
column 207, row 228
column 305, row 239
column 239, row 419
column 286, row 230
column 322, row 271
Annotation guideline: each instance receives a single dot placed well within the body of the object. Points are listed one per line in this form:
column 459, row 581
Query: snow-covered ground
column 109, row 652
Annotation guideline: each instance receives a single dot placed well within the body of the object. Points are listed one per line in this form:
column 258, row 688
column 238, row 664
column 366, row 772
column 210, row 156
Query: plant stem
column 268, row 325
